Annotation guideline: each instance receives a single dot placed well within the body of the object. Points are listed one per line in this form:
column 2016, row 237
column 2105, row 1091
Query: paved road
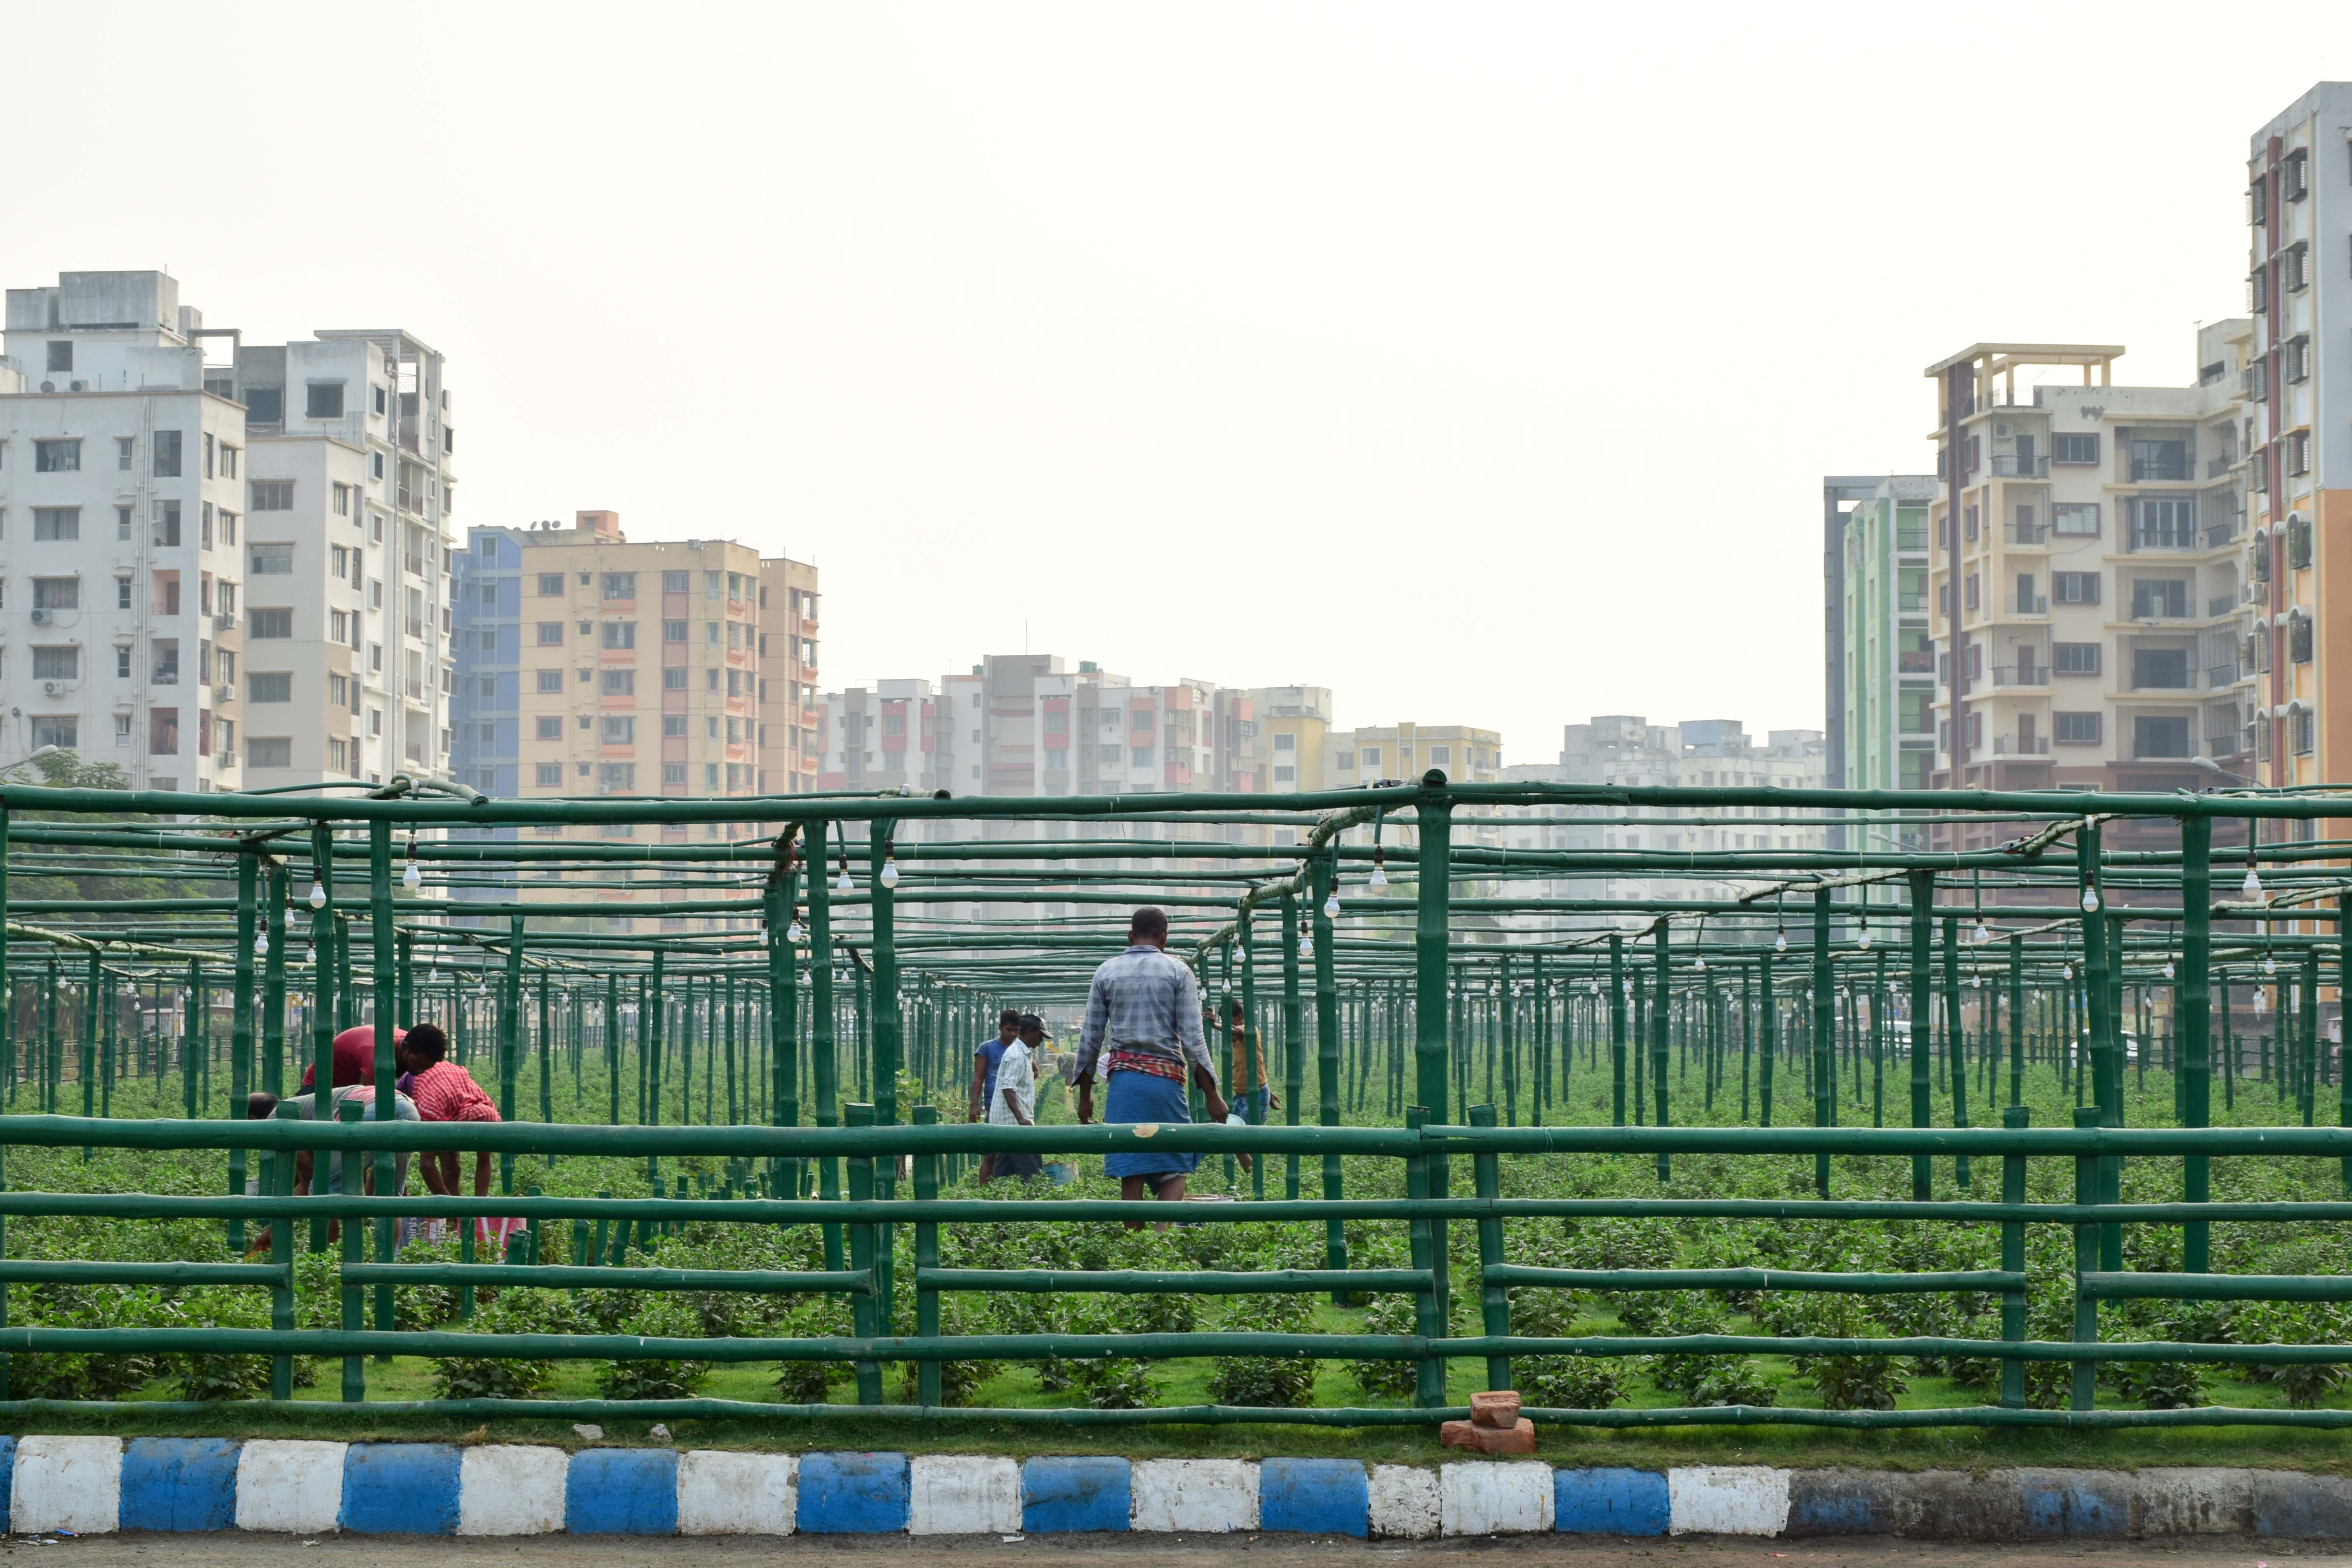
column 231, row 1549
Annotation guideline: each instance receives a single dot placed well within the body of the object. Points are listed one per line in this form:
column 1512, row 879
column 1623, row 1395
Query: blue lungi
column 1134, row 1096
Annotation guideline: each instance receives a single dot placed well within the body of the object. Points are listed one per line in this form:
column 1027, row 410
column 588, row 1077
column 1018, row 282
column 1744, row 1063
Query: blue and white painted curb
column 93, row 1484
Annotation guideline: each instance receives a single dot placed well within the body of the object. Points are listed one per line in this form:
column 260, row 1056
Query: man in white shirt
column 1015, row 1104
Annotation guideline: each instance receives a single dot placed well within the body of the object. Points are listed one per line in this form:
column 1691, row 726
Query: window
column 551, row 634
column 2164, row 522
column 339, row 690
column 673, row 631
column 676, row 582
column 710, row 634
column 2074, row 587
column 2295, row 183
column 164, row 668
column 57, row 457
column 228, row 530
column 619, row 778
column 549, row 727
column 674, row 774
column 167, row 524
column 259, row 687
column 619, row 729
column 375, row 394
column 674, row 679
column 1440, row 756
column 2300, row 729
column 620, row 634
column 1286, row 742
column 2159, row 669
column 269, row 752
column 125, row 450
column 62, row 730
column 2075, row 449
column 122, row 592
column 56, row 663
column 1141, row 756
column 2075, row 657
column 620, row 584
column 342, row 500
column 57, row 523
column 620, row 683
column 2297, row 264
column 710, row 778
column 2075, row 729
column 265, row 404
column 264, row 626
column 2299, row 452
column 325, row 400
column 122, row 663
column 550, row 585
column 2154, row 735
column 122, row 524
column 270, row 561
column 271, row 495
column 57, row 592
column 2159, row 457
column 549, row 680
column 2298, row 542
column 2159, row 597
column 2298, row 639
column 550, row 775
column 61, row 354
column 2075, row 519
column 167, row 454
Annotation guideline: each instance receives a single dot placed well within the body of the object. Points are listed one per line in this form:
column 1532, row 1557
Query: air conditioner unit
column 77, row 387
column 2002, row 430
column 51, row 687
column 41, row 618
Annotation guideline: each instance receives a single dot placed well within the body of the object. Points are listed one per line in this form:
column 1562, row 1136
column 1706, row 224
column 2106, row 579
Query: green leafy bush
column 661, row 1317
column 1283, row 1382
column 518, row 1310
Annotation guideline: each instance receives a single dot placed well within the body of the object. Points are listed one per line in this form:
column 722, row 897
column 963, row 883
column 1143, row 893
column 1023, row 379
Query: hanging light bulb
column 433, row 978
column 1380, row 877
column 1331, row 906
column 1975, row 982
column 261, row 942
column 2090, row 900
column 2253, row 885
column 842, row 883
column 2168, row 969
column 1699, row 963
column 1984, row 931
column 317, row 893
column 2270, row 964
column 1863, row 942
column 1779, row 941
column 1226, row 989
column 412, row 878
column 289, row 920
column 890, row 866
column 793, row 932
column 1306, row 945
column 2067, row 970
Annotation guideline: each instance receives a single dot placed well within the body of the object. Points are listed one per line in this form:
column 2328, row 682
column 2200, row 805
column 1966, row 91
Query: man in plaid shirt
column 444, row 1091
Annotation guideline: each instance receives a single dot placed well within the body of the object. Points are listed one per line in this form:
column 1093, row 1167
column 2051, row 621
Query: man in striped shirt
column 1143, row 1030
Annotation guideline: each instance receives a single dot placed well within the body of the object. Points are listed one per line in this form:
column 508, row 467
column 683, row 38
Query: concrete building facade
column 2298, row 440
column 2091, row 576
column 1881, row 675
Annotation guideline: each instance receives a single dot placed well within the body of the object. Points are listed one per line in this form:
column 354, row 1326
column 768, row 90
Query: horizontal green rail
column 567, row 1276
column 75, row 1271
column 1752, row 1279
column 1203, row 1282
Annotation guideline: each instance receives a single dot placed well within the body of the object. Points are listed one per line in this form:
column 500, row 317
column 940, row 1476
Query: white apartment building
column 233, row 563
column 1628, row 750
column 120, row 563
column 350, row 552
column 2097, row 554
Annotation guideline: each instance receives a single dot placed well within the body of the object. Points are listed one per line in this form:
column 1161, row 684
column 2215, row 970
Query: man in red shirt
column 444, row 1091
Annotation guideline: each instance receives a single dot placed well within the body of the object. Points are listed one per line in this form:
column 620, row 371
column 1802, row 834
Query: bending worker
column 1143, row 1028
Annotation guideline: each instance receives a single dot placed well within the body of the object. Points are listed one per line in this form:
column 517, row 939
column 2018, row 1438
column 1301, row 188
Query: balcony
column 2013, row 746
column 414, row 625
column 413, row 564
column 2028, row 533
column 1911, row 539
column 2222, row 605
column 2220, row 533
column 2026, row 605
column 1911, row 604
column 1919, row 661
column 2216, row 466
column 2019, row 466
column 2219, row 675
column 2021, row 675
column 2162, row 471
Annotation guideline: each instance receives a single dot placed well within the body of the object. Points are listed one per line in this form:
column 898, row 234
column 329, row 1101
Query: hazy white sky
column 1478, row 362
